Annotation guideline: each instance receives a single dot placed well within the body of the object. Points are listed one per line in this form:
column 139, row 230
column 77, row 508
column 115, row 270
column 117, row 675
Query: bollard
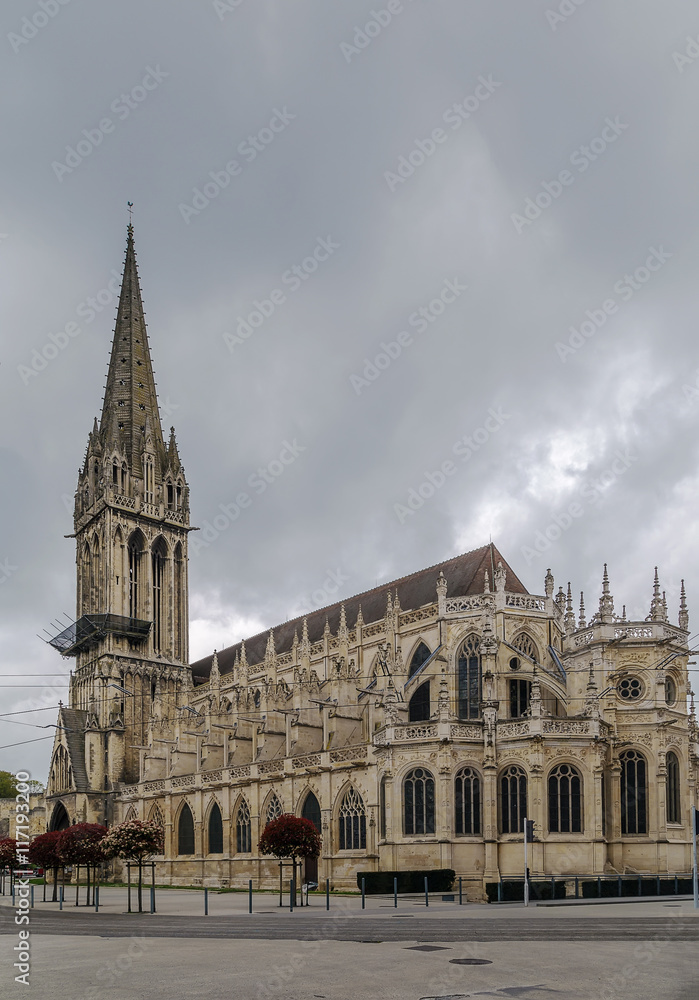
column 599, row 886
column 96, row 894
column 461, row 892
column 206, row 902
column 639, row 885
column 31, row 893
column 577, row 888
column 292, row 894
column 327, row 894
column 363, row 893
column 619, row 887
column 657, row 885
column 395, row 893
column 152, row 899
column 553, row 887
column 13, row 895
column 249, row 895
column 675, row 885
column 60, row 898
column 500, row 891
column 427, row 898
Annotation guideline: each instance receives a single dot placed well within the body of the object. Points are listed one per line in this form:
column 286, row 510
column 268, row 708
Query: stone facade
column 416, row 724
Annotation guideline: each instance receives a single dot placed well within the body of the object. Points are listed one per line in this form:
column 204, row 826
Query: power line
column 22, row 742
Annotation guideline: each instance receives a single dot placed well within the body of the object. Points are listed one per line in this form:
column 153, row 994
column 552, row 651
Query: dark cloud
column 357, row 116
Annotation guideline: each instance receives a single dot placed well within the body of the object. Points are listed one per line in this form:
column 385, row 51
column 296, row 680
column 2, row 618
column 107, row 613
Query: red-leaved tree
column 289, row 836
column 135, row 841
column 81, row 845
column 43, row 851
column 8, row 853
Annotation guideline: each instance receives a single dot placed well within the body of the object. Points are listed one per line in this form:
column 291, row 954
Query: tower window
column 520, row 691
column 634, row 793
column 469, row 667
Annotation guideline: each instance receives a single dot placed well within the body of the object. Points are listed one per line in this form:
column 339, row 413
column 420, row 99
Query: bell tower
column 131, row 522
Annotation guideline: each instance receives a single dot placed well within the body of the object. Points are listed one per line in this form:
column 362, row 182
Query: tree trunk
column 77, row 883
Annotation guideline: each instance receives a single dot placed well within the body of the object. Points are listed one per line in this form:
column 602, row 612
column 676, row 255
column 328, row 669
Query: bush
column 513, row 890
column 438, row 880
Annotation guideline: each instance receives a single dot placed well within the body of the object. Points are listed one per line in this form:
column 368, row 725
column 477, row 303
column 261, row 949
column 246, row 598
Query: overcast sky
column 505, row 167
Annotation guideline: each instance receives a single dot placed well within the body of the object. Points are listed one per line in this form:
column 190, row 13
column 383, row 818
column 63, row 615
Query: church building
column 416, row 724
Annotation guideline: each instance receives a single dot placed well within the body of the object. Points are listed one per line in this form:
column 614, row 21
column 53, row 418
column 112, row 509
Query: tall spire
column 570, row 614
column 130, row 396
column 656, row 605
column 582, row 623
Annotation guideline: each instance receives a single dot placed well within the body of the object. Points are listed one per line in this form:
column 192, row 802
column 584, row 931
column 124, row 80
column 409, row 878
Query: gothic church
column 416, row 724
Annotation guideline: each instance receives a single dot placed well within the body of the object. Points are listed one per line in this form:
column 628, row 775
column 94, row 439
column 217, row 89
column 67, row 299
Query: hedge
column 629, row 887
column 438, row 880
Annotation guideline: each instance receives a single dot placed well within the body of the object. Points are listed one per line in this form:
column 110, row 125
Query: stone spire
column 606, row 601
column 560, row 600
column 270, row 653
column 581, row 621
column 548, row 583
column 570, row 614
column 243, row 661
column 684, row 613
column 214, row 673
column 500, row 578
column 664, row 607
column 130, row 393
column 486, row 582
column 656, row 605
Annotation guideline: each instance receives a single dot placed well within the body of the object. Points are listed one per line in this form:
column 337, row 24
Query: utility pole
column 528, row 835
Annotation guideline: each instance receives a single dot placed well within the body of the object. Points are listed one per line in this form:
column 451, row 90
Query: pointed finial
column 396, row 604
column 326, row 630
column 486, row 582
column 214, row 673
column 623, row 612
column 591, row 683
column 441, row 585
column 684, row 613
column 360, row 618
column 570, row 614
column 130, row 207
column 581, row 622
column 548, row 583
column 243, row 657
column 656, row 605
column 606, row 601
column 664, row 607
column 500, row 577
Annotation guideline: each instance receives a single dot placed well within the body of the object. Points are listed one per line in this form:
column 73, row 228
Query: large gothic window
column 419, row 704
column 520, row 693
column 159, row 561
column 185, row 831
column 243, row 838
column 513, row 799
column 467, row 801
column 634, row 793
column 525, row 644
column 469, row 678
column 352, row 822
column 418, row 802
column 673, row 788
column 215, row 831
column 179, row 603
column 311, row 810
column 420, row 656
column 565, row 800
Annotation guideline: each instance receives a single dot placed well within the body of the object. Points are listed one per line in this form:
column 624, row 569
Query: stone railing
column 567, row 727
column 527, row 602
column 178, row 781
column 270, row 767
column 284, row 659
column 317, row 647
column 584, row 637
column 154, row 786
column 242, row 771
column 211, row 775
column 638, row 632
column 406, row 734
column 348, row 753
column 121, row 501
column 457, row 604
column 513, row 730
column 462, row 732
column 307, row 760
column 377, row 628
column 178, row 516
column 419, row 615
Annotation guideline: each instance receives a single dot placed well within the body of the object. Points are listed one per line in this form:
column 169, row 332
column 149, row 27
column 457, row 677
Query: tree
column 8, row 785
column 43, row 851
column 81, row 844
column 8, row 853
column 135, row 841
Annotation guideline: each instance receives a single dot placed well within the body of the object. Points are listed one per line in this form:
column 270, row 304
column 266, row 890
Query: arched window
column 115, row 473
column 149, row 480
column 520, row 693
column 170, row 496
column 525, row 644
column 418, row 802
column 382, row 809
column 135, row 550
column 352, row 822
column 670, row 691
column 419, row 704
column 215, row 831
column 565, row 800
column 156, row 816
column 311, row 810
column 674, row 811
column 420, row 655
column 179, row 603
column 469, row 675
column 274, row 809
column 467, row 801
column 59, row 818
column 513, row 799
column 185, row 831
column 159, row 560
column 131, row 814
column 634, row 794
column 123, row 477
column 243, row 838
